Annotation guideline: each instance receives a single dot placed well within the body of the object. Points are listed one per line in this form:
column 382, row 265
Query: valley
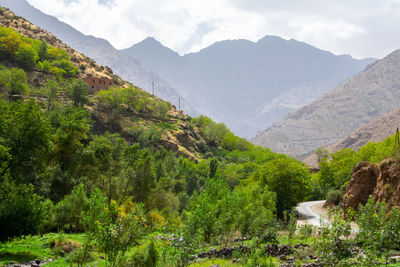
column 97, row 169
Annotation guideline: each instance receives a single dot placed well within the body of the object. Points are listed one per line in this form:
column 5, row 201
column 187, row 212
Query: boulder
column 361, row 185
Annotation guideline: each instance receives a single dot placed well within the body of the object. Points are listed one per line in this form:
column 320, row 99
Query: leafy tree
column 206, row 216
column 77, row 92
column 68, row 211
column 322, row 153
column 26, row 56
column 65, row 65
column 115, row 229
column 52, row 88
column 21, row 211
column 42, row 53
column 256, row 210
column 288, row 178
column 25, row 133
column 213, row 168
column 18, row 82
column 72, row 128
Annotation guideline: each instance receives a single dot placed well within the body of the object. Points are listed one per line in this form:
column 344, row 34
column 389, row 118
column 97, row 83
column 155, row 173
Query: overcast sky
column 361, row 28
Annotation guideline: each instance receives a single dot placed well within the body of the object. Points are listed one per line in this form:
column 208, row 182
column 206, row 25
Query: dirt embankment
column 382, row 181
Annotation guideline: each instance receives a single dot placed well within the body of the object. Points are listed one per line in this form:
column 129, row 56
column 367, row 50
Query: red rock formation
column 362, row 184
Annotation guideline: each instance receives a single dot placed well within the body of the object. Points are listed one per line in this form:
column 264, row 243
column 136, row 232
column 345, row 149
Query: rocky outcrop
column 361, row 186
column 381, row 181
column 388, row 184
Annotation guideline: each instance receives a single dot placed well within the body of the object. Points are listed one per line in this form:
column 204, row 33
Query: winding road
column 309, row 216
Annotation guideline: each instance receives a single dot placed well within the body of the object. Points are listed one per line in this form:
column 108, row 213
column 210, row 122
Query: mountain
column 375, row 131
column 355, row 102
column 101, row 51
column 248, row 85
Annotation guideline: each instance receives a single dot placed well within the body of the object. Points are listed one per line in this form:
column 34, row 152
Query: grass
column 27, row 248
column 220, row 262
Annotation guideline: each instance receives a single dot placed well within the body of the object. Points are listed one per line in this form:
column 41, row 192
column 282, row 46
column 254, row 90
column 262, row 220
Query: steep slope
column 99, row 50
column 248, row 85
column 170, row 125
column 374, row 131
column 355, row 102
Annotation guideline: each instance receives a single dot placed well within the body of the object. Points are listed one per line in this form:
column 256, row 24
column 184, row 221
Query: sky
column 361, row 28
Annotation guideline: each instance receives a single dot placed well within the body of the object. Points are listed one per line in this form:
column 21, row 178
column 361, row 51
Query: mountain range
column 355, row 102
column 248, row 85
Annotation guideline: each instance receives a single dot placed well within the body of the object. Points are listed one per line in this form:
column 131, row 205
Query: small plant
column 306, row 231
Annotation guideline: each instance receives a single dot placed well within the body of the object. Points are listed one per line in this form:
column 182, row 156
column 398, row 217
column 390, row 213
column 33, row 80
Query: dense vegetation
column 88, row 180
column 63, row 170
column 335, row 169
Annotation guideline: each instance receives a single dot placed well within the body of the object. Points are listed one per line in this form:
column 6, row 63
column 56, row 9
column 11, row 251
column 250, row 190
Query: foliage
column 288, row 178
column 68, row 211
column 30, row 54
column 25, row 134
column 115, row 229
column 77, row 91
column 14, row 81
column 21, row 211
column 334, row 244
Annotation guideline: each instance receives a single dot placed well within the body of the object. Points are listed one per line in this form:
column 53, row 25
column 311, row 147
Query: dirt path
column 311, row 212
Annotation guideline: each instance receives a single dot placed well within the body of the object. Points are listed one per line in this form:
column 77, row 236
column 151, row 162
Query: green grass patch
column 28, row 248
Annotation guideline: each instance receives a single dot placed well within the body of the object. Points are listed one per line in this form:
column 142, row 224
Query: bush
column 26, row 56
column 18, row 82
column 21, row 211
column 67, row 66
column 334, row 197
column 68, row 211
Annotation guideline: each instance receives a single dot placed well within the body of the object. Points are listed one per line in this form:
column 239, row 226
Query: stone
column 361, row 185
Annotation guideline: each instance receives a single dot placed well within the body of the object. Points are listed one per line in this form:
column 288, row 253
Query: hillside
column 375, row 131
column 248, row 85
column 176, row 133
column 100, row 51
column 355, row 102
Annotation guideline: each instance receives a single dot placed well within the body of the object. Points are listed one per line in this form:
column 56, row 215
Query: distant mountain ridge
column 101, row 51
column 248, row 85
column 375, row 131
column 355, row 102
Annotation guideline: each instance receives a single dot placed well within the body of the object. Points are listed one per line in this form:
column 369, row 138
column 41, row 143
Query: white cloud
column 361, row 28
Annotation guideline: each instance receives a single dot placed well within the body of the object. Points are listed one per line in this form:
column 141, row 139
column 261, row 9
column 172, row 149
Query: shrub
column 26, row 56
column 18, row 82
column 68, row 211
column 21, row 211
column 115, row 229
column 334, row 197
column 67, row 66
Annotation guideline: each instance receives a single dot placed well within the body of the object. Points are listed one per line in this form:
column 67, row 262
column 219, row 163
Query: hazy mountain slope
column 355, row 102
column 374, row 131
column 248, row 85
column 99, row 50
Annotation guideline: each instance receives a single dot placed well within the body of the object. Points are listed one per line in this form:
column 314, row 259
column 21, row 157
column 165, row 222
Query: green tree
column 213, row 168
column 322, row 153
column 256, row 205
column 25, row 133
column 205, row 217
column 51, row 89
column 288, row 178
column 21, row 211
column 77, row 92
column 42, row 51
column 26, row 56
column 18, row 82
